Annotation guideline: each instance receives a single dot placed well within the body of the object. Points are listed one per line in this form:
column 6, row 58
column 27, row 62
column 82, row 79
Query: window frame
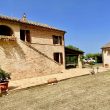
column 57, row 40
column 58, row 57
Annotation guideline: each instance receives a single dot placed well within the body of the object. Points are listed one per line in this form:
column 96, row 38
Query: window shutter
column 61, row 58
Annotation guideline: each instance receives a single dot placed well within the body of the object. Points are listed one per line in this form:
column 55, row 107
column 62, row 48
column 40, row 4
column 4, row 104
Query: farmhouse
column 106, row 55
column 29, row 49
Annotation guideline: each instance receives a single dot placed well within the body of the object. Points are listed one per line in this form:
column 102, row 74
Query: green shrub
column 4, row 76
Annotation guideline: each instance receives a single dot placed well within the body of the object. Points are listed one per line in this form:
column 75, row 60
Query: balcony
column 7, row 38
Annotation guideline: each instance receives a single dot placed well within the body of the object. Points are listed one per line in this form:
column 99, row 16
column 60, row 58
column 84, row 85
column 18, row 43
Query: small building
column 30, row 49
column 106, row 55
column 73, row 58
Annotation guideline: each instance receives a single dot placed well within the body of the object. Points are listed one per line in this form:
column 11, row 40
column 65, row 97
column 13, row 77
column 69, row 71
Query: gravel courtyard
column 91, row 92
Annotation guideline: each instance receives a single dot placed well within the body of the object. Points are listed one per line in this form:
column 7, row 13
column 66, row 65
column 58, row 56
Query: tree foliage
column 72, row 47
column 96, row 56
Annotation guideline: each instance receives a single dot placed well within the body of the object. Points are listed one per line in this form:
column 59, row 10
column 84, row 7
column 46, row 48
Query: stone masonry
column 24, row 60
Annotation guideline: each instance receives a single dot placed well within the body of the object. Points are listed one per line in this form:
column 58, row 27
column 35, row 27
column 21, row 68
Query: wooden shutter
column 28, row 37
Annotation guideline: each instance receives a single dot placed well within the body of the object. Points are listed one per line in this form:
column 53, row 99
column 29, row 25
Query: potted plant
column 4, row 80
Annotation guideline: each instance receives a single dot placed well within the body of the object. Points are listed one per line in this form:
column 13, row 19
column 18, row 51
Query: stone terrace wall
column 23, row 62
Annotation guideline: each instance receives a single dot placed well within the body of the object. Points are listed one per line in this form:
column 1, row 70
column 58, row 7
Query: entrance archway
column 5, row 30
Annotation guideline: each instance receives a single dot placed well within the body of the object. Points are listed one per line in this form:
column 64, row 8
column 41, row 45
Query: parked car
column 89, row 60
column 85, row 60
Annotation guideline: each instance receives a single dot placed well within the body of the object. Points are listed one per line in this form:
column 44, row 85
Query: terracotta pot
column 52, row 80
column 4, row 86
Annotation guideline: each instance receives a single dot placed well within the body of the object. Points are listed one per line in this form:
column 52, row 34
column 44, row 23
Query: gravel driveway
column 91, row 92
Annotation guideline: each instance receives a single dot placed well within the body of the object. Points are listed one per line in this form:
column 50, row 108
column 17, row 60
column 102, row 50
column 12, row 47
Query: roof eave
column 27, row 23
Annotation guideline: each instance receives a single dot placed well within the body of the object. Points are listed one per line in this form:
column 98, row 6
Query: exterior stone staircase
column 24, row 61
column 38, row 51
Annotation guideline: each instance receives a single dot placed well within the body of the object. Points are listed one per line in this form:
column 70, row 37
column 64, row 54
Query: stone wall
column 106, row 57
column 43, row 41
column 24, row 62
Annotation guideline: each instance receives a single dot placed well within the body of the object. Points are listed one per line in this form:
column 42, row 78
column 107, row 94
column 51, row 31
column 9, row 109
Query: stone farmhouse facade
column 29, row 49
column 106, row 55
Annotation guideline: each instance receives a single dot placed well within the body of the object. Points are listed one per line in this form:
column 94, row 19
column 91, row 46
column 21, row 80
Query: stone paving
column 69, row 73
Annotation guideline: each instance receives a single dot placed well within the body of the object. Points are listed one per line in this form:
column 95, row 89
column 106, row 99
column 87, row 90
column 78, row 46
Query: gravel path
column 90, row 92
column 68, row 73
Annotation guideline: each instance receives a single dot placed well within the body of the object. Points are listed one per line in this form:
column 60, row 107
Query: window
column 58, row 57
column 25, row 35
column 57, row 40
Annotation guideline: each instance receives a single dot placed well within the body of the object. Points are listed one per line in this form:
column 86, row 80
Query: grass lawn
column 91, row 92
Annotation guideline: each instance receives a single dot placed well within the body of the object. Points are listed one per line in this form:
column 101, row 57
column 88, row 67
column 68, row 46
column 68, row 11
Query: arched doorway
column 5, row 30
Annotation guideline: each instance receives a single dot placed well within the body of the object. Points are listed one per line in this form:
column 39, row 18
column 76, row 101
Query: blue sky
column 87, row 22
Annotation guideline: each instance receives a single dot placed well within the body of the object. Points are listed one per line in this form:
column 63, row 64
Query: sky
column 87, row 22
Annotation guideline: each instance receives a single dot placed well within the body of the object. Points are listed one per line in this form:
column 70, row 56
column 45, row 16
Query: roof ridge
column 10, row 17
column 106, row 45
column 29, row 22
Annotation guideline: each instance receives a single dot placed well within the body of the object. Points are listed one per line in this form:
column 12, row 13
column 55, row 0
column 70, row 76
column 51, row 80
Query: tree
column 90, row 55
column 96, row 56
column 72, row 47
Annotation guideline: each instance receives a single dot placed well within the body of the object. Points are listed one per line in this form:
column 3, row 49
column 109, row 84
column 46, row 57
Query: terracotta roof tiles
column 28, row 22
column 106, row 45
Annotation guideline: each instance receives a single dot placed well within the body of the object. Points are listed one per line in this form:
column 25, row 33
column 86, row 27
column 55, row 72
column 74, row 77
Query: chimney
column 24, row 18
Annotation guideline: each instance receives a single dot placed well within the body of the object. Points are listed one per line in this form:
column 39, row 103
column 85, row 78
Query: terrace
column 6, row 33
